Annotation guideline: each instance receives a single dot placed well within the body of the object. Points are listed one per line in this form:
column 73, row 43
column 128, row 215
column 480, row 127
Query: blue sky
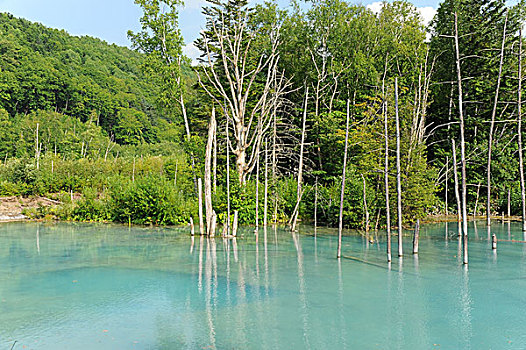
column 111, row 19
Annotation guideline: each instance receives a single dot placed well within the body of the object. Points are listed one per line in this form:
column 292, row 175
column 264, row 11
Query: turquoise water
column 67, row 286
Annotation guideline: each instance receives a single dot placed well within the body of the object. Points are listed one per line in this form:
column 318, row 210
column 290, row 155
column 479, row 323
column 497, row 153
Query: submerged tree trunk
column 265, row 204
column 340, row 220
column 386, row 180
column 188, row 138
column 492, row 126
column 210, row 213
column 315, row 205
column 462, row 147
column 200, row 195
column 257, row 193
column 300, row 166
column 446, row 185
column 227, row 178
column 457, row 193
column 519, row 137
column 366, row 223
column 398, row 175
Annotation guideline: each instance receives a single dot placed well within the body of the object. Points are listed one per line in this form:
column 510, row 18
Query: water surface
column 80, row 286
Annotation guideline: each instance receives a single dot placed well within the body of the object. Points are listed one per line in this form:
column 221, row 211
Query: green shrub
column 149, row 200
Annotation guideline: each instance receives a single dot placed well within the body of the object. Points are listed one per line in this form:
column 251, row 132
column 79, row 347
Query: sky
column 110, row 20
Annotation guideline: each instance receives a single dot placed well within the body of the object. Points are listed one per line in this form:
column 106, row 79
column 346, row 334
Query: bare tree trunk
column 37, row 149
column 462, row 147
column 386, row 178
column 316, row 205
column 265, row 207
column 457, row 193
column 492, row 125
column 275, row 168
column 398, row 174
column 447, row 174
column 300, row 166
column 210, row 213
column 519, row 137
column 214, row 165
column 366, row 223
column 188, row 137
column 227, row 178
column 234, row 225
column 509, row 202
column 476, row 200
column 416, row 237
column 257, row 193
column 340, row 220
column 200, row 195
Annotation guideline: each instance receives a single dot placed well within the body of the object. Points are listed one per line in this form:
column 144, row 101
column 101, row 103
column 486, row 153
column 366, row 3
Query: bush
column 149, row 200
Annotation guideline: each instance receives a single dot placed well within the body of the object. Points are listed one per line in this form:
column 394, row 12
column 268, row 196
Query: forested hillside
column 81, row 77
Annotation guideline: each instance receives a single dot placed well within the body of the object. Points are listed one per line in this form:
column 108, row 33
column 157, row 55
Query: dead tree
column 300, row 165
column 265, row 204
column 398, row 174
column 257, row 194
column 519, row 136
column 340, row 220
column 462, row 146
column 210, row 213
column 457, row 193
column 200, row 201
column 231, row 78
column 492, row 125
column 386, row 181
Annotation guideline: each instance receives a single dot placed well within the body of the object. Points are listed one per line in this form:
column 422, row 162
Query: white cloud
column 376, row 7
column 426, row 12
column 192, row 52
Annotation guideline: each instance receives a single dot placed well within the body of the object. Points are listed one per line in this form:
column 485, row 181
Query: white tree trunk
column 342, row 192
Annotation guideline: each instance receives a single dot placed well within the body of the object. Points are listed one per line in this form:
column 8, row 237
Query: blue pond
column 80, row 286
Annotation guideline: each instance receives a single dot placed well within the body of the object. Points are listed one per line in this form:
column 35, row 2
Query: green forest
column 284, row 107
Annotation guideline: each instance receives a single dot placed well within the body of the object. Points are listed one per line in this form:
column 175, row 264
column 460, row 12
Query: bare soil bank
column 12, row 208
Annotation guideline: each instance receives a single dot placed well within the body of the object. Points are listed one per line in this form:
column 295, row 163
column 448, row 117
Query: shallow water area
column 84, row 286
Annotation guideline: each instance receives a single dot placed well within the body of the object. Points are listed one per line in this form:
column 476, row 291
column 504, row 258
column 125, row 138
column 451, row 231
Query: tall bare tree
column 242, row 77
column 492, row 125
column 462, row 146
column 519, row 135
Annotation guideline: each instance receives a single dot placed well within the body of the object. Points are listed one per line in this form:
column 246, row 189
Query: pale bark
column 398, row 174
column 457, row 193
column 227, row 178
column 265, row 205
column 416, row 237
column 210, row 213
column 300, row 165
column 200, row 195
column 316, row 205
column 257, row 193
column 386, row 181
column 340, row 220
column 519, row 136
column 447, row 175
column 366, row 221
column 234, row 225
column 462, row 146
column 237, row 86
column 492, row 125
column 37, row 148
